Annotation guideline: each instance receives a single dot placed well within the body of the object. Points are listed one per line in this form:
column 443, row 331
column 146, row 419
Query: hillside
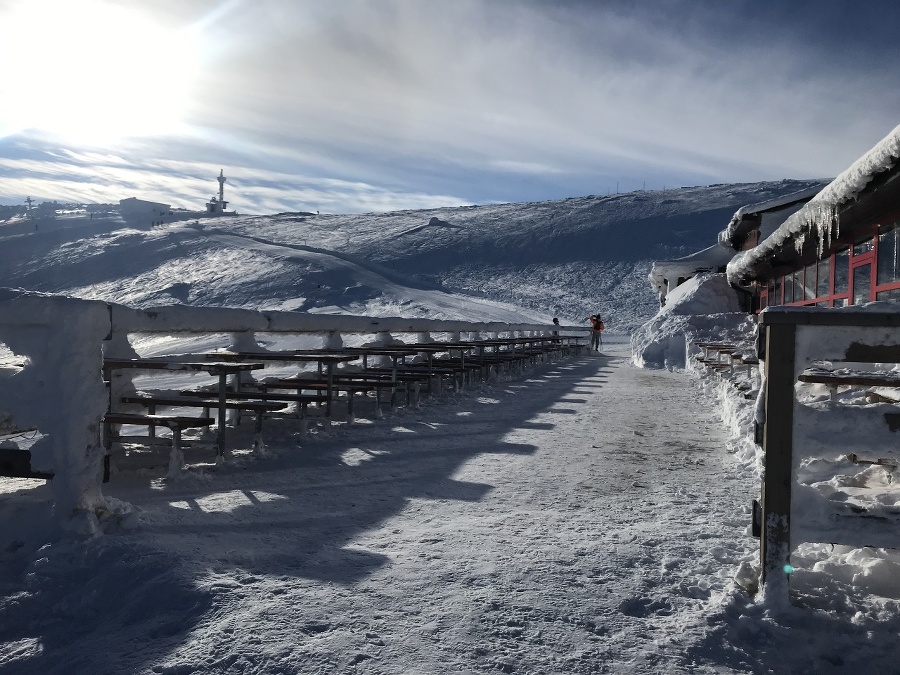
column 533, row 260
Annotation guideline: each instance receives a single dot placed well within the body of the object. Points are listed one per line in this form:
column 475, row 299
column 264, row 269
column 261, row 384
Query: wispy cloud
column 349, row 105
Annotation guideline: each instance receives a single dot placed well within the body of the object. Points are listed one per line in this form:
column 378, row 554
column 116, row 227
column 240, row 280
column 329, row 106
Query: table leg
column 220, row 431
column 330, row 393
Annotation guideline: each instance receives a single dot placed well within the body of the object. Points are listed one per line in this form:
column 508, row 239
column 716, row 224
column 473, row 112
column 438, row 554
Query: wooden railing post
column 778, row 431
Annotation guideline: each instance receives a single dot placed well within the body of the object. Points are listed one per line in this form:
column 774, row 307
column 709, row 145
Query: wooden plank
column 158, row 420
column 859, row 352
column 815, row 316
column 263, row 396
column 775, row 542
column 855, row 380
column 187, row 402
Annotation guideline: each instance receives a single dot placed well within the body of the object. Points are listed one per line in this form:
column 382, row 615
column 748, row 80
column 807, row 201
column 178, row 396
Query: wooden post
column 778, row 431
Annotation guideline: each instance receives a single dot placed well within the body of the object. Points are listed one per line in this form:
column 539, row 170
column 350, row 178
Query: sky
column 346, row 106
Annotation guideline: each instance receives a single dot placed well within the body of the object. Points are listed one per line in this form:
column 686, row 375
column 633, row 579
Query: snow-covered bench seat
column 176, row 423
column 259, row 408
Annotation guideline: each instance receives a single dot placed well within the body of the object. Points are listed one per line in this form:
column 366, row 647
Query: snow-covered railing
column 56, row 389
column 54, row 382
column 819, row 438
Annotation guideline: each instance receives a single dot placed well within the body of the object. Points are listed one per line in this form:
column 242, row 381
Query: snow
column 57, row 388
column 664, row 274
column 703, row 309
column 585, row 516
column 775, row 208
column 819, row 215
column 543, row 259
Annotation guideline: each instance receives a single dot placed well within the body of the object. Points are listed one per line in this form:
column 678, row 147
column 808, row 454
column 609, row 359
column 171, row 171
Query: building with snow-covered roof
column 140, row 212
column 748, row 226
column 841, row 248
column 754, row 223
column 666, row 275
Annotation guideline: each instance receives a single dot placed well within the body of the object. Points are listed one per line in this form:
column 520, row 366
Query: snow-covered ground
column 566, row 258
column 588, row 516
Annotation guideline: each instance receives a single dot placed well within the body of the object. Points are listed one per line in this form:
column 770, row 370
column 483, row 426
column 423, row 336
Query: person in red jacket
column 597, row 328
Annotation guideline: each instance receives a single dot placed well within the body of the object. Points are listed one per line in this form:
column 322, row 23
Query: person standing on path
column 597, row 328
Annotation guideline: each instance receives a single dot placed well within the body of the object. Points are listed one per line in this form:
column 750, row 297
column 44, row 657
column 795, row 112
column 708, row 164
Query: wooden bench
column 175, row 423
column 259, row 408
column 424, row 371
column 400, row 378
column 347, row 384
column 302, row 400
column 713, row 353
column 849, row 378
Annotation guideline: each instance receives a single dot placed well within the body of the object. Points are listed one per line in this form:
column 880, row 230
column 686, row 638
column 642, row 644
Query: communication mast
column 215, row 205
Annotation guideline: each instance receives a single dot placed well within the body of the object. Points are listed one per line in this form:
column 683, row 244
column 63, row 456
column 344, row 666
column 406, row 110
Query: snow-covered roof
column 778, row 204
column 820, row 214
column 707, row 260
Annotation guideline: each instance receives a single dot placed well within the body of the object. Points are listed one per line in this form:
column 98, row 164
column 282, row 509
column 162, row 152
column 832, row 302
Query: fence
column 53, row 383
column 793, row 341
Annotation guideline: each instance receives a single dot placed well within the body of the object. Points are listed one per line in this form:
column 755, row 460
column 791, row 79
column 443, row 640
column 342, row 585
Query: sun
column 88, row 70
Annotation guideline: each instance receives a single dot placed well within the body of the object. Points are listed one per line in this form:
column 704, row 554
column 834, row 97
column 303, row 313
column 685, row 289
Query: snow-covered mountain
column 565, row 258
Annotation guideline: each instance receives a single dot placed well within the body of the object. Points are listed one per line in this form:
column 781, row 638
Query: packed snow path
column 563, row 522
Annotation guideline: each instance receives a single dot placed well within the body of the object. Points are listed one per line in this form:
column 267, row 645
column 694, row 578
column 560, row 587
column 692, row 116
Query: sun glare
column 93, row 71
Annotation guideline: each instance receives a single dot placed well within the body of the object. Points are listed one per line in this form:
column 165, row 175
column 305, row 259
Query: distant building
column 139, row 212
column 749, row 225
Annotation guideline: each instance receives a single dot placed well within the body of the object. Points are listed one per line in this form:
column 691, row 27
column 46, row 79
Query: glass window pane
column 864, row 245
column 889, row 295
column 862, row 278
column 842, row 271
column 888, row 255
column 824, row 286
column 776, row 298
column 809, row 282
column 788, row 288
column 798, row 285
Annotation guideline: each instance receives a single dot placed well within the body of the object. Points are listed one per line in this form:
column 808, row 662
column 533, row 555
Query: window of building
column 893, row 294
column 842, row 272
column 775, row 293
column 809, row 282
column 864, row 245
column 862, row 283
column 788, row 286
column 888, row 254
column 823, row 287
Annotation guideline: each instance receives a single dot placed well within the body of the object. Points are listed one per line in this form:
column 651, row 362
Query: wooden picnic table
column 326, row 360
column 221, row 369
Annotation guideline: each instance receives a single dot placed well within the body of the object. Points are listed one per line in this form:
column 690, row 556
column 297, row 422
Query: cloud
column 106, row 178
column 354, row 105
